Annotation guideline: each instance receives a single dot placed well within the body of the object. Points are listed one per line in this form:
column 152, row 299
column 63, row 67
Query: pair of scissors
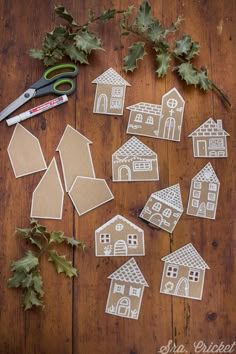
column 44, row 86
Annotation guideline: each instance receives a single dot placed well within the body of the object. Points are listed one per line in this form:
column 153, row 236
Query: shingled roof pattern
column 186, row 256
column 121, row 219
column 110, row 77
column 149, row 108
column 130, row 273
column 207, row 174
column 170, row 196
column 209, row 128
column 134, row 147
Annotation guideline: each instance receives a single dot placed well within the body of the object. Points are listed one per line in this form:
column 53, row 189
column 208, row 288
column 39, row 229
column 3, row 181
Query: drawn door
column 169, row 128
column 124, row 173
column 120, row 248
column 202, row 209
column 102, row 103
column 156, row 219
column 182, row 287
column 201, row 148
column 123, row 307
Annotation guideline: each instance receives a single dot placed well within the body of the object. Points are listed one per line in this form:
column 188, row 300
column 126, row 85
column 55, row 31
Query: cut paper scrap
column 184, row 273
column 119, row 237
column 134, row 161
column 164, row 208
column 75, row 156
column 89, row 193
column 126, row 291
column 110, row 93
column 204, row 192
column 158, row 121
column 25, row 152
column 48, row 196
column 210, row 140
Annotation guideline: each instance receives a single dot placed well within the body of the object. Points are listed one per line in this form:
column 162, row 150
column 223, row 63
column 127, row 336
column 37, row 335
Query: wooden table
column 73, row 320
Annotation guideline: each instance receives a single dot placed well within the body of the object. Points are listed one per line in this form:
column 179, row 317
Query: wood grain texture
column 73, row 320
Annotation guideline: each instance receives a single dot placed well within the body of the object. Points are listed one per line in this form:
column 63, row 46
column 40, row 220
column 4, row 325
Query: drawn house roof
column 130, row 273
column 186, row 256
column 144, row 107
column 134, row 147
column 170, row 92
column 170, row 196
column 210, row 128
column 207, row 174
column 119, row 218
column 110, row 77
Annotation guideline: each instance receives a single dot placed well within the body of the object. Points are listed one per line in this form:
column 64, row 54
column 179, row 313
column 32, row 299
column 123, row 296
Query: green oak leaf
column 183, row 46
column 30, row 299
column 144, row 18
column 61, row 264
column 76, row 55
column 17, row 279
column 56, row 236
column 71, row 241
column 107, row 15
column 36, row 53
column 163, row 64
column 135, row 53
column 155, row 31
column 194, row 50
column 87, row 41
column 26, row 263
column 36, row 242
column 203, row 81
column 188, row 73
column 174, row 26
column 38, row 283
column 63, row 13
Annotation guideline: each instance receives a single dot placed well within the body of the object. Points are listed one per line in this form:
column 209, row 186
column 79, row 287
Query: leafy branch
column 26, row 270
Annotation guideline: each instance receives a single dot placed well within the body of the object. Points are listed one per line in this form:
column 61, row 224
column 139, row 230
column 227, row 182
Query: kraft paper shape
column 119, row 237
column 204, row 192
column 48, row 196
column 158, row 121
column 75, row 156
column 126, row 291
column 210, row 140
column 110, row 93
column 184, row 273
column 134, row 161
column 164, row 208
column 89, row 193
column 25, row 152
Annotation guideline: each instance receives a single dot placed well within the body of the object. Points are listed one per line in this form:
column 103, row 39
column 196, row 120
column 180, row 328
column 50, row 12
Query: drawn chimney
column 219, row 124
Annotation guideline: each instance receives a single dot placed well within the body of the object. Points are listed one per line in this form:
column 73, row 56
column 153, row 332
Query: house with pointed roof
column 204, row 192
column 126, row 291
column 164, row 208
column 134, row 161
column 119, row 237
column 210, row 139
column 158, row 121
column 110, row 93
column 184, row 273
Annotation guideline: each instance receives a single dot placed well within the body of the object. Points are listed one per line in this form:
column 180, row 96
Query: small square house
column 119, row 237
column 164, row 208
column 110, row 93
column 134, row 161
column 184, row 273
column 210, row 140
column 203, row 195
column 126, row 291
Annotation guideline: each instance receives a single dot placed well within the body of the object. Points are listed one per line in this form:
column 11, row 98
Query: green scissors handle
column 53, row 88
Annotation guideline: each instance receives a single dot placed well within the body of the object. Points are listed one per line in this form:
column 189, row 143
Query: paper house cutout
column 25, row 152
column 164, row 208
column 126, row 291
column 110, row 93
column 48, row 196
column 158, row 121
column 119, row 237
column 134, row 161
column 89, row 193
column 75, row 156
column 184, row 273
column 210, row 140
column 204, row 191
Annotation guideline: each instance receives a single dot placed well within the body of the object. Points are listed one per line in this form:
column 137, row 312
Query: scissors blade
column 26, row 96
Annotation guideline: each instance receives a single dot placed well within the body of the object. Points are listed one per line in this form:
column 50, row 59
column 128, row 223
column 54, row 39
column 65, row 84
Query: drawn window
column 172, row 271
column 195, row 203
column 117, row 92
column 119, row 227
column 172, row 103
column 196, row 194
column 210, row 206
column 171, row 195
column 138, row 118
column 213, row 187
column 193, row 275
column 115, row 103
column 105, row 238
column 134, row 291
column 167, row 212
column 216, row 142
column 142, row 166
column 132, row 240
column 156, row 206
column 120, row 289
column 197, row 185
column 149, row 120
column 211, row 196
